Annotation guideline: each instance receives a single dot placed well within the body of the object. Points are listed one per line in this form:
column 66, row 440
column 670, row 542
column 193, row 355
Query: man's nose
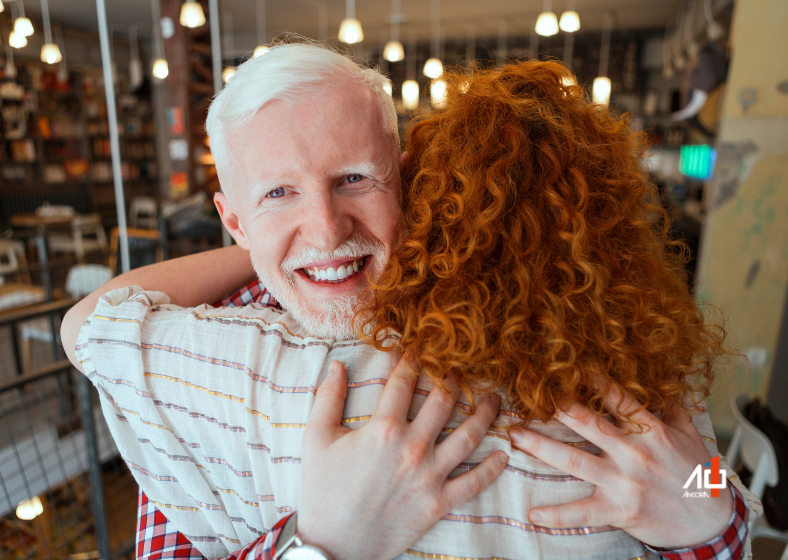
column 327, row 224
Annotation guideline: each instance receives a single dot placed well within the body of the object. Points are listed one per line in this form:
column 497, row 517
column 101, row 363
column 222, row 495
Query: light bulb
column 192, row 14
column 438, row 94
column 601, row 90
column 16, row 40
column 260, row 50
column 28, row 510
column 547, row 24
column 570, row 21
column 2, row 8
column 50, row 53
column 227, row 74
column 410, row 94
column 350, row 31
column 387, row 88
column 433, row 68
column 161, row 69
column 393, row 51
column 23, row 27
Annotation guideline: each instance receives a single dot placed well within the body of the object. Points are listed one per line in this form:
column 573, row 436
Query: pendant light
column 160, row 67
column 62, row 71
column 50, row 52
column 350, row 31
column 16, row 40
column 262, row 31
column 28, row 510
column 135, row 64
column 192, row 14
column 570, row 20
column 433, row 68
column 10, row 67
column 547, row 23
column 22, row 25
column 229, row 71
column 2, row 8
column 410, row 87
column 393, row 51
column 601, row 88
column 438, row 93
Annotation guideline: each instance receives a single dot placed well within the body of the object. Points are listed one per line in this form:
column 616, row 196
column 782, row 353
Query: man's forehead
column 333, row 128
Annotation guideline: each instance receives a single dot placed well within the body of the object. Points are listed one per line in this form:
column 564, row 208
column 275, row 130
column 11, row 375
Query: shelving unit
column 55, row 142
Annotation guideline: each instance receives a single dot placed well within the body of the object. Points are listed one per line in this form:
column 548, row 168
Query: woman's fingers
column 395, row 401
column 460, row 489
column 464, row 439
column 436, row 410
column 591, row 426
column 588, row 512
column 571, row 460
column 627, row 409
column 325, row 421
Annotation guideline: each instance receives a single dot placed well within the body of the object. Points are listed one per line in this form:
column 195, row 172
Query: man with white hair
column 307, row 152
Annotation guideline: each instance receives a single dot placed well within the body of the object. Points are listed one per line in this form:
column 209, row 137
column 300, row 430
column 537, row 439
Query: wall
column 744, row 255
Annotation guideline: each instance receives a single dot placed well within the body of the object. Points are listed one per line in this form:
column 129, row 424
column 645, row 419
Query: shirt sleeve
column 728, row 545
column 158, row 539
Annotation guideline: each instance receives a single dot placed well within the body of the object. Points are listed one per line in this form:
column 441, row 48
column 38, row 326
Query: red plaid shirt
column 157, row 538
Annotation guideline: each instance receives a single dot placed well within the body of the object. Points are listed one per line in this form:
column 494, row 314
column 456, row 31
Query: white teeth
column 355, row 266
column 322, row 274
column 341, row 272
column 331, row 273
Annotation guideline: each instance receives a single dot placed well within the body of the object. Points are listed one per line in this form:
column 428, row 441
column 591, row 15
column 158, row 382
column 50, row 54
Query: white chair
column 142, row 213
column 87, row 235
column 12, row 259
column 757, row 454
column 81, row 280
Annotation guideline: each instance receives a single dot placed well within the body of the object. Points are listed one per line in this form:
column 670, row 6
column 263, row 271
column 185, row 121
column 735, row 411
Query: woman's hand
column 639, row 476
column 372, row 492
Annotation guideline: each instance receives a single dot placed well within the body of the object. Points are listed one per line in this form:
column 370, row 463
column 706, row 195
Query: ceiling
column 486, row 17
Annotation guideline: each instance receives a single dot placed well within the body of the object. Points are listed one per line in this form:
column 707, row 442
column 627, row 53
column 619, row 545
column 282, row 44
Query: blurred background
column 105, row 166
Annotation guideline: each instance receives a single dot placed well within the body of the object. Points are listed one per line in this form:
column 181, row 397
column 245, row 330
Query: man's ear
column 404, row 158
column 230, row 219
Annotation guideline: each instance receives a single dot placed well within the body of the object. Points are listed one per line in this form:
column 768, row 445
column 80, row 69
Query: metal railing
column 58, row 463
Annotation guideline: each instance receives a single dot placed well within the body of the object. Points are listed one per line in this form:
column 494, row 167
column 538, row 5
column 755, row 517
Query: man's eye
column 355, row 178
column 276, row 193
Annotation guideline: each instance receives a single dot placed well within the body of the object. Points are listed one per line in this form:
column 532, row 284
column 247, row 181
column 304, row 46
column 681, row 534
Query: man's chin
column 335, row 322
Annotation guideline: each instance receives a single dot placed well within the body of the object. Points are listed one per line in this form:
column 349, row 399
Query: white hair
column 284, row 72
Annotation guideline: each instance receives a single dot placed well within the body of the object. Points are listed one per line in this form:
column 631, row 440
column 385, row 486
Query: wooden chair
column 145, row 235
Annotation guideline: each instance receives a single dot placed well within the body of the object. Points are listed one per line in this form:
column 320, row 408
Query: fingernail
column 503, row 458
column 520, row 436
column 496, row 400
column 332, row 368
column 536, row 517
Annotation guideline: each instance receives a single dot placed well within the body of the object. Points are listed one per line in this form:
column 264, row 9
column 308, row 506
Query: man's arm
column 188, row 281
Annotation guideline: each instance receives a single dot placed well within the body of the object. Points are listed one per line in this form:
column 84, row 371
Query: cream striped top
column 208, row 407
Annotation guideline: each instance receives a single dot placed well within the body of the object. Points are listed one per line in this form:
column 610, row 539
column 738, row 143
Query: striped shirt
column 208, row 407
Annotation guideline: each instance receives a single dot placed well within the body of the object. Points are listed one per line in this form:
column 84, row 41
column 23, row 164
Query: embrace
column 482, row 347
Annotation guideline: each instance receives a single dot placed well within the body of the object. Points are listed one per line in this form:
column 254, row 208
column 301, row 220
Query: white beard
column 332, row 318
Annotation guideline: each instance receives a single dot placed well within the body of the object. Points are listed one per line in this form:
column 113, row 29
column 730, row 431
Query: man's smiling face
column 314, row 195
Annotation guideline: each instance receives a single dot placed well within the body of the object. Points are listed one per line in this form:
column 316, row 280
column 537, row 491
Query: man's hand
column 372, row 492
column 639, row 475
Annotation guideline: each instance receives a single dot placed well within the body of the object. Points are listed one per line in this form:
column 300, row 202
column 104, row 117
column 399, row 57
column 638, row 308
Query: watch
column 292, row 548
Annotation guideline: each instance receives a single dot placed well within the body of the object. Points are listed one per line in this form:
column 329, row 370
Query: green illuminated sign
column 697, row 161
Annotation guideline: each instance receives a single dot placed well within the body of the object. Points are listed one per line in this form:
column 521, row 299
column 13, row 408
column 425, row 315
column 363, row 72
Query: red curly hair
column 537, row 260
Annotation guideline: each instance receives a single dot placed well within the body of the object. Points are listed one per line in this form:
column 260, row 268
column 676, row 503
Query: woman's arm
column 188, row 281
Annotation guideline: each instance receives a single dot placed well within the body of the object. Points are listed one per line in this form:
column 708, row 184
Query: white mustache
column 353, row 248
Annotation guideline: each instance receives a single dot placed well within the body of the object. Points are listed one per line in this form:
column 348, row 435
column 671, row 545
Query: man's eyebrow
column 367, row 168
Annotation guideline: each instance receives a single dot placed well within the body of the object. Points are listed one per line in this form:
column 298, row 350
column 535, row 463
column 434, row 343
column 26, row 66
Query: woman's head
column 537, row 260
